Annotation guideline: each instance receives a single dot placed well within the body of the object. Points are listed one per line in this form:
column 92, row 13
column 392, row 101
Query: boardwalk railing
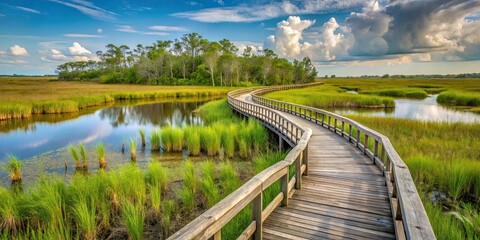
column 210, row 223
column 411, row 220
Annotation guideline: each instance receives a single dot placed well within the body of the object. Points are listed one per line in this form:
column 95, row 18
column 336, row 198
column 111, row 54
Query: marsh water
column 423, row 110
column 42, row 141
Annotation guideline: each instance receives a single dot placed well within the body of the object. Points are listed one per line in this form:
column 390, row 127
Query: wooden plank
column 335, row 226
column 248, row 231
column 274, row 204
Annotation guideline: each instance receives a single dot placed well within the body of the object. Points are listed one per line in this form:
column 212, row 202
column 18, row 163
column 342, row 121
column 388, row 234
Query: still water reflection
column 426, row 110
column 27, row 138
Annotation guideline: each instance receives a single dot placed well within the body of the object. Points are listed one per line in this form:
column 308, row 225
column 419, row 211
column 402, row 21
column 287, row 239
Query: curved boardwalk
column 343, row 196
column 348, row 183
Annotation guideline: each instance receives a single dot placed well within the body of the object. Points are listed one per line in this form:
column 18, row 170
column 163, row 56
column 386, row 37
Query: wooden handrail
column 407, row 209
column 210, row 223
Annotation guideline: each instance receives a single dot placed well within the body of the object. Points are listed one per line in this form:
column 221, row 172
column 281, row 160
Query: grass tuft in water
column 155, row 141
column 133, row 149
column 142, row 137
column 14, row 168
column 192, row 139
column 101, row 155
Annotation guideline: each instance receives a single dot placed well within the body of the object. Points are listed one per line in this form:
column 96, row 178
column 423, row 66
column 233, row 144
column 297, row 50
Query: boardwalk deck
column 344, row 195
column 348, row 181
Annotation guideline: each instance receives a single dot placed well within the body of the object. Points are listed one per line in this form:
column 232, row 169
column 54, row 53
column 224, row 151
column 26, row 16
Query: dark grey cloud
column 408, row 27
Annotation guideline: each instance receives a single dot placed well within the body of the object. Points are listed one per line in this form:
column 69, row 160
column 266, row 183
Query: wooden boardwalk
column 344, row 195
column 348, row 183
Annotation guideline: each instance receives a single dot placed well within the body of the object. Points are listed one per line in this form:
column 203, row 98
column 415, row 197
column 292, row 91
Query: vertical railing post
column 343, row 128
column 365, row 145
column 305, row 159
column 375, row 150
column 217, row 235
column 358, row 137
column 350, row 132
column 298, row 172
column 284, row 188
column 335, row 125
column 257, row 216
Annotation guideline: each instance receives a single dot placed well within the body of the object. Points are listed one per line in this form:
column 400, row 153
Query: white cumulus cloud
column 77, row 49
column 17, row 50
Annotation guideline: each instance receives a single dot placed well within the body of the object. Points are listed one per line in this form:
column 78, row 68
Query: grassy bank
column 328, row 96
column 22, row 97
column 443, row 158
column 460, row 98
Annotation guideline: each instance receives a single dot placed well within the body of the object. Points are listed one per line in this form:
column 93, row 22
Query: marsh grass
column 209, row 189
column 177, row 139
column 14, row 168
column 76, row 157
column 101, row 155
column 47, row 96
column 167, row 139
column 142, row 137
column 83, row 155
column 133, row 217
column 210, row 141
column 459, row 98
column 155, row 140
column 85, row 217
column 133, row 149
column 192, row 140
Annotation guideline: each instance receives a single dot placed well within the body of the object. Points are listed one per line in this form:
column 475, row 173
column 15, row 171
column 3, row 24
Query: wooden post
column 358, row 137
column 335, row 125
column 257, row 216
column 280, row 143
column 284, row 188
column 350, row 133
column 365, row 145
column 316, row 117
column 305, row 159
column 217, row 235
column 375, row 150
column 298, row 172
column 343, row 128
column 329, row 121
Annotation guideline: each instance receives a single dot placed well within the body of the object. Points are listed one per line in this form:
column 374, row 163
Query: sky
column 342, row 37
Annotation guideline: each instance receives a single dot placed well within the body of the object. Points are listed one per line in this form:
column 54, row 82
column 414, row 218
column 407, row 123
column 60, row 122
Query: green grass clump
column 177, row 139
column 142, row 137
column 157, row 175
column 192, row 140
column 258, row 135
column 85, row 217
column 133, row 217
column 10, row 110
column 215, row 111
column 62, row 106
column 228, row 177
column 101, row 155
column 209, row 189
column 9, row 212
column 244, row 143
column 459, row 179
column 227, row 137
column 210, row 141
column 459, row 98
column 399, row 93
column 187, row 198
column 167, row 138
column 14, row 168
column 155, row 141
column 133, row 149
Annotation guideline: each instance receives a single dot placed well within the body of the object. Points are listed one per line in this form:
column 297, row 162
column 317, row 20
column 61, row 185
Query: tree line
column 192, row 60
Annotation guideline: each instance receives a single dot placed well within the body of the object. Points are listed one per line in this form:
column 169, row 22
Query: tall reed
column 210, row 141
column 166, row 136
column 208, row 187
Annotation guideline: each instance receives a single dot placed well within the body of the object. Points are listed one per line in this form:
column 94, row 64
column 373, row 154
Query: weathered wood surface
column 349, row 182
column 343, row 196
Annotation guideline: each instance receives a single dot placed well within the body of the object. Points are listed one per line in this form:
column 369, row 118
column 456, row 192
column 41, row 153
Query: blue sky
column 342, row 37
